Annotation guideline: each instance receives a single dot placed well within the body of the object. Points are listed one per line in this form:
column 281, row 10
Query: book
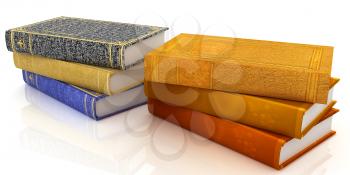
column 290, row 118
column 102, row 80
column 94, row 105
column 100, row 43
column 289, row 71
column 58, row 111
column 269, row 148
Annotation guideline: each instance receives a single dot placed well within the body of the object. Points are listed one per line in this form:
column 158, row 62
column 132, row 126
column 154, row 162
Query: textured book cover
column 58, row 111
column 93, row 42
column 83, row 100
column 265, row 68
column 98, row 79
column 260, row 145
column 280, row 116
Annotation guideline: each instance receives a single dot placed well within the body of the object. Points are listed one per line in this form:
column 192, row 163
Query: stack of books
column 271, row 101
column 95, row 67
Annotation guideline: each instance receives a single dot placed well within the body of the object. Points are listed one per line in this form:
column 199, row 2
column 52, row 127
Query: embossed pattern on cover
column 98, row 79
column 263, row 68
column 280, row 116
column 93, row 42
column 80, row 99
column 257, row 144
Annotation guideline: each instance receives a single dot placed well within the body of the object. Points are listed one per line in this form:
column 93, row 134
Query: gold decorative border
column 30, row 44
column 93, row 108
column 107, row 84
column 121, row 60
column 85, row 110
column 110, row 54
column 12, row 41
column 36, row 81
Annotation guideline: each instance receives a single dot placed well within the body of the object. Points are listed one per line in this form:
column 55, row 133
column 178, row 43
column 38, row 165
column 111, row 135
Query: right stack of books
column 271, row 101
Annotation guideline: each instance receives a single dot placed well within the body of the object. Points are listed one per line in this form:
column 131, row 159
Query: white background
column 50, row 138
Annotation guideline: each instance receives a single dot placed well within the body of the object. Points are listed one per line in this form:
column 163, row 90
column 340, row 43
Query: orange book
column 290, row 118
column 282, row 70
column 269, row 148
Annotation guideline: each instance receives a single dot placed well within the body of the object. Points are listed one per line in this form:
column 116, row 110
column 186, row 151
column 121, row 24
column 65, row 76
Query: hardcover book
column 104, row 129
column 290, row 118
column 264, row 68
column 102, row 80
column 269, row 148
column 95, row 105
column 94, row 42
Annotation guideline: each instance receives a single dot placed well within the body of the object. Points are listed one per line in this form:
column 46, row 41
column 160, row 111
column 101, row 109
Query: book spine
column 246, row 140
column 65, row 93
column 85, row 76
column 269, row 80
column 249, row 110
column 83, row 51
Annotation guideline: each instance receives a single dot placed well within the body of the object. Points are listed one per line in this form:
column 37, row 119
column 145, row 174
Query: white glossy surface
column 37, row 141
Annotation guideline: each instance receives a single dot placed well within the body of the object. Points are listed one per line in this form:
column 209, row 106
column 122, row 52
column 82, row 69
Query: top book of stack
column 263, row 68
column 93, row 42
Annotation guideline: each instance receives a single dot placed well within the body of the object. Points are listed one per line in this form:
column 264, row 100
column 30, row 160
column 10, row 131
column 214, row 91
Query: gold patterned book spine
column 85, row 76
column 263, row 68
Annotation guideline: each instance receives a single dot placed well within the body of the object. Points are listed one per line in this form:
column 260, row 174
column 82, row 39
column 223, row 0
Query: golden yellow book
column 103, row 80
column 290, row 118
column 264, row 68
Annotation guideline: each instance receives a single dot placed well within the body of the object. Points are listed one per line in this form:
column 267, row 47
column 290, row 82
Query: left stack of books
column 95, row 67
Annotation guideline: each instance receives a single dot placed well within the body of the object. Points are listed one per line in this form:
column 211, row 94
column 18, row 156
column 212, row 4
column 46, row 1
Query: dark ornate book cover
column 99, row 43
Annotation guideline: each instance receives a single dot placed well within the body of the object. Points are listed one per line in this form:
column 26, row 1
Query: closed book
column 58, row 111
column 290, row 118
column 95, row 105
column 269, row 148
column 102, row 80
column 264, row 68
column 94, row 42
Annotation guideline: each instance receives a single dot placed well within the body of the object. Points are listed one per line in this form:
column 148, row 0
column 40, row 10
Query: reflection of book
column 94, row 42
column 102, row 129
column 92, row 104
column 122, row 153
column 272, row 149
column 290, row 118
column 51, row 141
column 264, row 68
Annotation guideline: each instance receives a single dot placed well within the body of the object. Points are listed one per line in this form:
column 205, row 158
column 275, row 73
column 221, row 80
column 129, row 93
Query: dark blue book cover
column 95, row 105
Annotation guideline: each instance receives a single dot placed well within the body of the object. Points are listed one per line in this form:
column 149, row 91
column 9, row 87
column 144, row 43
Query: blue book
column 95, row 105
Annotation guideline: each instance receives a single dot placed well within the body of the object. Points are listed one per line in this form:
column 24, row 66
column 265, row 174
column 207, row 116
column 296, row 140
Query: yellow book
column 290, row 118
column 103, row 80
column 265, row 68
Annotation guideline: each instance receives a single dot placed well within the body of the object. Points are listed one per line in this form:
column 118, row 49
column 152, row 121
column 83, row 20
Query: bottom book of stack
column 269, row 148
column 95, row 105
